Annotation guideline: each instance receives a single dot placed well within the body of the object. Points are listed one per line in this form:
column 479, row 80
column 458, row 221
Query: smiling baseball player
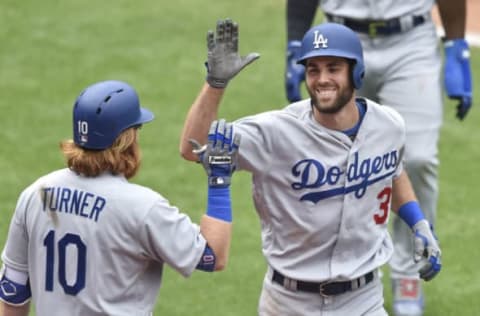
column 325, row 172
column 404, row 71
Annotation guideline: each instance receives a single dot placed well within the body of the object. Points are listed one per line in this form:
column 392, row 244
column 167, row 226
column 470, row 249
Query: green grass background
column 50, row 50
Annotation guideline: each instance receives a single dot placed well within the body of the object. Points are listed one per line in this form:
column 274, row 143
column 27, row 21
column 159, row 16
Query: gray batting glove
column 224, row 62
column 219, row 155
column 427, row 250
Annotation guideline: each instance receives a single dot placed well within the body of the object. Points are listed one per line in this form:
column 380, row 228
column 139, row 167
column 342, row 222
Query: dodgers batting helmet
column 103, row 110
column 333, row 39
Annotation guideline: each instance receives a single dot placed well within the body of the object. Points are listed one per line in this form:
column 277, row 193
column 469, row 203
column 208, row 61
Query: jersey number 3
column 71, row 241
column 384, row 197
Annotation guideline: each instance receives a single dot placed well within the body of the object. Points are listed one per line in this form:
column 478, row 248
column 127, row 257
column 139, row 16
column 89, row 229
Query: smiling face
column 329, row 83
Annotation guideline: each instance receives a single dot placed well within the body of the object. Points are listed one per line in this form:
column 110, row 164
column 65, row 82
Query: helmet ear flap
column 358, row 73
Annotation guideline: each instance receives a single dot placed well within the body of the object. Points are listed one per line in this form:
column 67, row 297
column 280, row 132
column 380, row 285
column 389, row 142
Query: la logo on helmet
column 318, row 40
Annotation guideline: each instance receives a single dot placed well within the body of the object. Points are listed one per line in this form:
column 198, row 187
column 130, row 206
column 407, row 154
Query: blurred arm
column 10, row 310
column 454, row 16
column 300, row 15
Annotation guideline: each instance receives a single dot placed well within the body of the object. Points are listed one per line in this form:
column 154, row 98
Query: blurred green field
column 50, row 50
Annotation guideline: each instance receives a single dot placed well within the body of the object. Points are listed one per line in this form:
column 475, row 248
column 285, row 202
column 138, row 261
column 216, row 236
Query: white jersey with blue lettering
column 97, row 246
column 323, row 199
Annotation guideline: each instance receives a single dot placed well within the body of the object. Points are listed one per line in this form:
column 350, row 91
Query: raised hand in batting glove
column 219, row 155
column 426, row 250
column 294, row 73
column 458, row 77
column 224, row 62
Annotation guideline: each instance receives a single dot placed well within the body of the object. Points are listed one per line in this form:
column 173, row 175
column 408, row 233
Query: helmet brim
column 330, row 53
column 145, row 116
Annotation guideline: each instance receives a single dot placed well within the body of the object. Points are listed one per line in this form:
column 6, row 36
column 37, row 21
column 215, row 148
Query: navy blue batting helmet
column 333, row 39
column 104, row 110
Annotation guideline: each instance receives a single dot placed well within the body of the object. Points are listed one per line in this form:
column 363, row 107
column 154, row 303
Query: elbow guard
column 207, row 261
column 14, row 287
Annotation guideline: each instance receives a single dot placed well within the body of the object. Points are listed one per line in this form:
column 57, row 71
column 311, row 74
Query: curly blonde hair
column 123, row 157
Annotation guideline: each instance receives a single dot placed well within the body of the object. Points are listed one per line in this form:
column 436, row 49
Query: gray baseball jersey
column 323, row 199
column 375, row 10
column 96, row 246
column 404, row 71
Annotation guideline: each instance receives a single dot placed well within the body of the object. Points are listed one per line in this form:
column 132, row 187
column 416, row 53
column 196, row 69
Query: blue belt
column 379, row 27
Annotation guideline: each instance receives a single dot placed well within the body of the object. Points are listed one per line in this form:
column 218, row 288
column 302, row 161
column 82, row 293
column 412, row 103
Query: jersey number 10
column 67, row 240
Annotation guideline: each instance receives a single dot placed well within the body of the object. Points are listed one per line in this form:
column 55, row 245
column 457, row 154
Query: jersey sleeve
column 171, row 237
column 256, row 143
column 399, row 168
column 398, row 129
column 402, row 139
column 15, row 252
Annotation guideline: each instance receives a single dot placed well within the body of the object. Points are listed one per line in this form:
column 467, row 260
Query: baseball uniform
column 323, row 200
column 404, row 71
column 97, row 245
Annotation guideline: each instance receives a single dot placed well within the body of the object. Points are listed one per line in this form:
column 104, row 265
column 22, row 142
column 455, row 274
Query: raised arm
column 219, row 159
column 223, row 63
column 197, row 123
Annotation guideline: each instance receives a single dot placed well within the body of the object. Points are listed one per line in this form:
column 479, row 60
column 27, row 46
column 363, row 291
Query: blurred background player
column 403, row 70
column 325, row 173
column 85, row 241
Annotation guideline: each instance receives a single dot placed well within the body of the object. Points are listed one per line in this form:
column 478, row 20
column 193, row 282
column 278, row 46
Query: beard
column 345, row 95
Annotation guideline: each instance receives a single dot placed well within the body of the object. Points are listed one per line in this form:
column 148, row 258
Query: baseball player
column 403, row 65
column 325, row 172
column 85, row 241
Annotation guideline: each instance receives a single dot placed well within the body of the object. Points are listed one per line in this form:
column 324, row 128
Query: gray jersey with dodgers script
column 96, row 246
column 411, row 61
column 323, row 199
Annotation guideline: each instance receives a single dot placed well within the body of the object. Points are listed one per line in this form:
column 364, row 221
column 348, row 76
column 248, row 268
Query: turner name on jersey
column 73, row 201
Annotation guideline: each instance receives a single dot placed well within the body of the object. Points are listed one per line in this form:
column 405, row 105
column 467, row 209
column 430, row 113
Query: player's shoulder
column 47, row 178
column 294, row 110
column 143, row 191
column 298, row 109
column 385, row 115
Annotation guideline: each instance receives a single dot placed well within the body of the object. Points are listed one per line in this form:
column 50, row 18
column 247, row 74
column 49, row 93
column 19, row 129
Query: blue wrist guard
column 411, row 213
column 219, row 204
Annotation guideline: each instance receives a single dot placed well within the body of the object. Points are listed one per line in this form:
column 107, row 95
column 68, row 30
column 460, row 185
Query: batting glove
column 426, row 249
column 458, row 77
column 295, row 73
column 224, row 62
column 219, row 155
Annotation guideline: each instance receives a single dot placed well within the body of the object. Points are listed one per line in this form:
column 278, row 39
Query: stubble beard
column 339, row 103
